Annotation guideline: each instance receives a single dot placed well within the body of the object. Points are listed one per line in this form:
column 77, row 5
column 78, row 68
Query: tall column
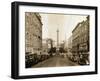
column 57, row 40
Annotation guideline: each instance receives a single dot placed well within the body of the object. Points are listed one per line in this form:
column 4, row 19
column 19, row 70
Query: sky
column 63, row 22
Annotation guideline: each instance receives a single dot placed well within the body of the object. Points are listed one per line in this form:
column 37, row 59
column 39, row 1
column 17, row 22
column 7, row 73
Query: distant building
column 62, row 44
column 69, row 44
column 33, row 33
column 80, row 38
column 47, row 44
column 44, row 45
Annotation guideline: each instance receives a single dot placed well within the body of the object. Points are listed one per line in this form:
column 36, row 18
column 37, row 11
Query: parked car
column 84, row 59
column 31, row 59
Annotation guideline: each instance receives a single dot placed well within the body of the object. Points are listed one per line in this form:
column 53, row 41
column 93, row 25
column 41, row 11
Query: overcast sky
column 65, row 24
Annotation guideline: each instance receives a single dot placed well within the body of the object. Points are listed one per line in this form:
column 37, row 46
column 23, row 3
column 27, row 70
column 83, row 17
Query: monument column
column 57, row 40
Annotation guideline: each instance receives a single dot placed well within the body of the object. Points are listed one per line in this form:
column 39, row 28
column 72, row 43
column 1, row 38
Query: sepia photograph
column 56, row 40
column 50, row 40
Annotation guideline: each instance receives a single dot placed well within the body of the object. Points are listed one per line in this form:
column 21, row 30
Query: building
column 47, row 44
column 80, row 38
column 69, row 47
column 75, row 38
column 84, row 37
column 33, row 33
column 69, row 44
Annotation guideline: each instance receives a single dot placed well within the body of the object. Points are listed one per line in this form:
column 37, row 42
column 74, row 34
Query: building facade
column 80, row 38
column 33, row 33
column 69, row 44
column 75, row 39
column 45, row 46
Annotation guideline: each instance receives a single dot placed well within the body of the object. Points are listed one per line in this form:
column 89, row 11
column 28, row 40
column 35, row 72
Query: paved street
column 56, row 61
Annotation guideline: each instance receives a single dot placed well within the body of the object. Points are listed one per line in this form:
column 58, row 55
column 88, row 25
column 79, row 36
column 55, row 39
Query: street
column 55, row 61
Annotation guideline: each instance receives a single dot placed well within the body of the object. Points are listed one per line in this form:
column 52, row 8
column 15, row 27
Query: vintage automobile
column 31, row 59
column 84, row 59
column 74, row 57
column 44, row 56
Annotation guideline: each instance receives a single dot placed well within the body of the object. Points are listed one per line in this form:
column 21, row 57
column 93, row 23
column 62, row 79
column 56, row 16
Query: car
column 84, row 59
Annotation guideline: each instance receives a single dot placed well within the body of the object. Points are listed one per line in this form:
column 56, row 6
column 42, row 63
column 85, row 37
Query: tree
column 61, row 50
